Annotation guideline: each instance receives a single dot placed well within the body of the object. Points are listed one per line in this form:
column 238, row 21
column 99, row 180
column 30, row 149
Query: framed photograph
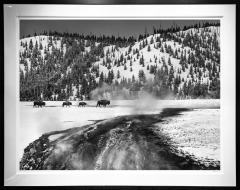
column 126, row 95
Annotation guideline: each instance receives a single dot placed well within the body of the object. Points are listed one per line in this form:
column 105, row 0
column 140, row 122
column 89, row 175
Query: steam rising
column 146, row 103
column 109, row 92
column 102, row 92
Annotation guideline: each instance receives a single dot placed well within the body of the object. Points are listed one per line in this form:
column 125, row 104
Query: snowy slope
column 44, row 40
column 153, row 54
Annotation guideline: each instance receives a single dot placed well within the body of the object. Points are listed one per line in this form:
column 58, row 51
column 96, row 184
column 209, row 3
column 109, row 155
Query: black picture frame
column 123, row 2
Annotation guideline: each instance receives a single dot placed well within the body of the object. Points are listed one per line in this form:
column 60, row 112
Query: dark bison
column 103, row 103
column 83, row 104
column 39, row 103
column 66, row 104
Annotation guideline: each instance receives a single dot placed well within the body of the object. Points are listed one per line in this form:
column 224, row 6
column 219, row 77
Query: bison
column 66, row 104
column 83, row 104
column 39, row 103
column 103, row 103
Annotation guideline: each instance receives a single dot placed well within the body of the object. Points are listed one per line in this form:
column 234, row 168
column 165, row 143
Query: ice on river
column 36, row 121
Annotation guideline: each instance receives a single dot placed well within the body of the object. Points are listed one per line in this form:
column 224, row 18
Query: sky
column 101, row 27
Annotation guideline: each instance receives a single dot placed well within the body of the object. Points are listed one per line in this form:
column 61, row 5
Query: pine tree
column 30, row 44
column 152, row 69
column 141, row 60
column 40, row 46
column 36, row 45
column 133, row 79
column 141, row 76
column 169, row 62
column 109, row 66
column 112, row 74
column 129, row 49
column 171, row 76
column 118, row 63
column 118, row 74
column 151, row 41
column 161, row 49
column 143, row 44
column 109, row 77
column 101, row 79
column 183, row 68
column 121, row 58
column 97, row 73
column 149, row 49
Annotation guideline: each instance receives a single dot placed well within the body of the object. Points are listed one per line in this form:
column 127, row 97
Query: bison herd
column 100, row 103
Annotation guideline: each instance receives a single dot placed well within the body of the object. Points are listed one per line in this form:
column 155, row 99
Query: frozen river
column 201, row 124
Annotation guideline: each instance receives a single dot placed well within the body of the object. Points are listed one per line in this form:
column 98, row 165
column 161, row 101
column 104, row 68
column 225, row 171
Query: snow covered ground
column 196, row 133
column 36, row 121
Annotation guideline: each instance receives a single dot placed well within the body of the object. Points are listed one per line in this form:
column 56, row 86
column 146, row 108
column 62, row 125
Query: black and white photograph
column 119, row 94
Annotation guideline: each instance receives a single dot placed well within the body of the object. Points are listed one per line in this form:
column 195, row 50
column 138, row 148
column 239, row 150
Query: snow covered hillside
column 184, row 64
column 156, row 55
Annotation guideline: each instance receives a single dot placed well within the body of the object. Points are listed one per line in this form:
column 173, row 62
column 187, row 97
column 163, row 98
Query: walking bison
column 66, row 104
column 83, row 104
column 103, row 103
column 39, row 104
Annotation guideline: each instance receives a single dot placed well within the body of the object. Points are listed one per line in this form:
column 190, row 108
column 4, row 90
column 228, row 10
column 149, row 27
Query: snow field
column 196, row 133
